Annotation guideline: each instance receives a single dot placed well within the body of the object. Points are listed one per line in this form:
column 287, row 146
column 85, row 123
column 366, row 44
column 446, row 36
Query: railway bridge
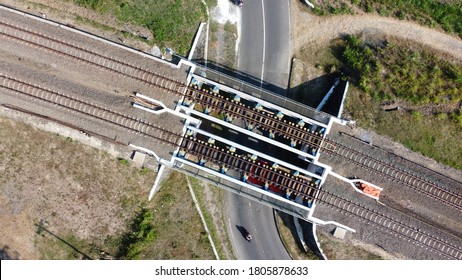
column 223, row 130
column 249, row 143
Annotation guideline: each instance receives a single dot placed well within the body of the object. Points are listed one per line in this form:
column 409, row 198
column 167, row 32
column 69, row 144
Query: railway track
column 91, row 57
column 391, row 225
column 310, row 192
column 297, row 185
column 268, row 121
column 240, row 163
column 255, row 117
column 76, row 105
column 265, row 120
column 393, row 173
column 81, row 130
column 398, row 160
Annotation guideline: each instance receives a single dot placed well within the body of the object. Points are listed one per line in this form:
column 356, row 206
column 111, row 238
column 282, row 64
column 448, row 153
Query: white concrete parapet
column 264, row 103
column 163, row 110
column 241, row 183
column 247, row 132
column 285, row 164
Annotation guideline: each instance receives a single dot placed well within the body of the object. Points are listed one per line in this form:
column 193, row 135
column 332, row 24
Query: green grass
column 172, row 227
column 168, row 228
column 393, row 71
column 199, row 192
column 142, row 233
column 173, row 23
column 211, row 3
column 434, row 13
column 94, row 23
column 437, row 137
column 144, row 170
column 230, row 37
column 123, row 161
column 429, row 12
column 426, row 85
column 290, row 239
column 333, row 7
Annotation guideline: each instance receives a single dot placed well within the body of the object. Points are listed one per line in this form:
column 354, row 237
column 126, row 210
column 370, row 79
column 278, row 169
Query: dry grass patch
column 63, row 200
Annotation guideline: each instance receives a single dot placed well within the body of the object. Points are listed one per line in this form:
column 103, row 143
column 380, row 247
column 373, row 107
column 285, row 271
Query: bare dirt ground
column 77, row 189
column 308, row 29
column 66, row 196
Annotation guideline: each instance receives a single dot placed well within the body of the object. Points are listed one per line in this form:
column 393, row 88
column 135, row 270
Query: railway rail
column 91, row 57
column 255, row 117
column 242, row 164
column 85, row 131
column 391, row 225
column 265, row 120
column 311, row 192
column 414, row 165
column 86, row 108
column 245, row 165
column 270, row 122
column 393, row 173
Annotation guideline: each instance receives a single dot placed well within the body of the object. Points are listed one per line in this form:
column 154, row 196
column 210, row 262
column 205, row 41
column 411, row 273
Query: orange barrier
column 367, row 189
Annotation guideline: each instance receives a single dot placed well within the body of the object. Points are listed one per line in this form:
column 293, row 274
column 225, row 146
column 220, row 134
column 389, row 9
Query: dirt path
column 310, row 29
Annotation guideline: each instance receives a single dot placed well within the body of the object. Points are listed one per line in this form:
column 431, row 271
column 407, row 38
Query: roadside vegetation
column 333, row 248
column 210, row 201
column 287, row 231
column 169, row 229
column 387, row 71
column 421, row 89
column 173, row 23
column 222, row 44
column 433, row 13
column 337, row 249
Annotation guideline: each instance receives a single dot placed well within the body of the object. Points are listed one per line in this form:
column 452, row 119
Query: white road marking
column 264, row 46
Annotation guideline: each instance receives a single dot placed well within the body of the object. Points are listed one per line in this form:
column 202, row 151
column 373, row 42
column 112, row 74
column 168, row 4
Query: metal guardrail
column 261, row 93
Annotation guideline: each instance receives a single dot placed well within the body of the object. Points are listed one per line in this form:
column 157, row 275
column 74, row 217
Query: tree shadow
column 41, row 228
column 7, row 254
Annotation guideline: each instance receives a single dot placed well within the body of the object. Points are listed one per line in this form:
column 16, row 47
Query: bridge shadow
column 309, row 93
column 248, row 78
column 313, row 91
column 288, row 221
column 7, row 254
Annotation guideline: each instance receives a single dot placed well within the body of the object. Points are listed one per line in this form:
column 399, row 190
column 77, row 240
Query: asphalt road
column 264, row 49
column 259, row 221
column 264, row 54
